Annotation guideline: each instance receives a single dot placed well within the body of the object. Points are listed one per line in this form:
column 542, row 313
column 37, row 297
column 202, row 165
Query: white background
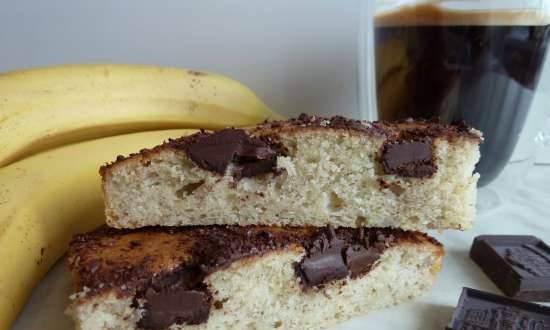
column 296, row 55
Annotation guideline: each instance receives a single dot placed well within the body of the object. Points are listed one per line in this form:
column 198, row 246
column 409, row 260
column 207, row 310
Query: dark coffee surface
column 484, row 75
column 486, row 311
column 518, row 265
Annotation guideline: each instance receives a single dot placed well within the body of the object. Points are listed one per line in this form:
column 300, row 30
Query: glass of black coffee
column 477, row 61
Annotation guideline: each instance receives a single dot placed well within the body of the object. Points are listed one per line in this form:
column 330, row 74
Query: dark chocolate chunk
column 518, row 265
column 478, row 310
column 182, row 277
column 360, row 260
column 174, row 306
column 251, row 156
column 324, row 267
column 330, row 257
column 325, row 261
column 408, row 158
column 247, row 170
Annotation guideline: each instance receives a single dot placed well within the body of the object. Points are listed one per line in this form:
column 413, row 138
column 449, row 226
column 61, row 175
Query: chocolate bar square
column 478, row 310
column 518, row 265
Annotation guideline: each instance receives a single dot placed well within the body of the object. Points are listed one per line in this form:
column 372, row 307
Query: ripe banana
column 47, row 198
column 49, row 107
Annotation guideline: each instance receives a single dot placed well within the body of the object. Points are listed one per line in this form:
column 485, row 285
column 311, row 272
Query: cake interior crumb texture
column 328, row 177
column 264, row 293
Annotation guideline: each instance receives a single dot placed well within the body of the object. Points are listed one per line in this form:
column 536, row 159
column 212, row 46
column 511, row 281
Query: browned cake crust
column 233, row 277
column 130, row 261
column 415, row 129
column 419, row 127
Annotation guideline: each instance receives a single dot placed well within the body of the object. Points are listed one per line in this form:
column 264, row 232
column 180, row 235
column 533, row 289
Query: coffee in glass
column 462, row 63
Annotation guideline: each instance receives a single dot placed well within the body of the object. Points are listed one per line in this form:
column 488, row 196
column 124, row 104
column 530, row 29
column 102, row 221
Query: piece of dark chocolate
column 360, row 259
column 250, row 156
column 478, row 310
column 324, row 267
column 330, row 258
column 408, row 158
column 518, row 265
column 324, row 262
column 174, row 306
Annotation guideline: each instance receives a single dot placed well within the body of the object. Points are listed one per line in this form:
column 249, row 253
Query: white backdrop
column 296, row 55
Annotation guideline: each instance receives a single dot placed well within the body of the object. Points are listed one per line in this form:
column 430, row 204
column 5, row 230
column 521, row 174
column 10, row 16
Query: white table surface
column 299, row 56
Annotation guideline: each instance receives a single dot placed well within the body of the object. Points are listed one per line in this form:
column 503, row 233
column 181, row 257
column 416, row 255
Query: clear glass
column 478, row 61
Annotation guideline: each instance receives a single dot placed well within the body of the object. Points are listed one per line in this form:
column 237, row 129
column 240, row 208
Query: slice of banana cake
column 308, row 171
column 233, row 277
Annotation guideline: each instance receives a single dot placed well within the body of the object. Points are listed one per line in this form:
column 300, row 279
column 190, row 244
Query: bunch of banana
column 52, row 194
column 44, row 108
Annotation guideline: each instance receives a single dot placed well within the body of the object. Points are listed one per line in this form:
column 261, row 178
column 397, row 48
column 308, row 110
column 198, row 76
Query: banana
column 48, row 107
column 47, row 198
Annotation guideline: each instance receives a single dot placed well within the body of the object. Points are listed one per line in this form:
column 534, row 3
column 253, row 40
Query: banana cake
column 307, row 171
column 253, row 277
